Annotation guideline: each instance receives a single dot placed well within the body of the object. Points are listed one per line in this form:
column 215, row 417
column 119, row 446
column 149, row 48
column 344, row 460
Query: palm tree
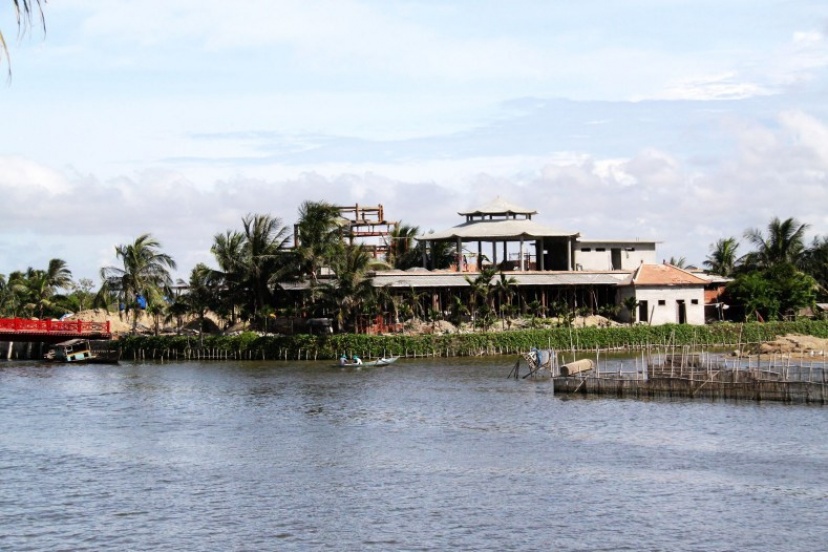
column 402, row 248
column 482, row 288
column 24, row 10
column 458, row 309
column 43, row 284
column 251, row 263
column 413, row 303
column 631, row 304
column 722, row 260
column 783, row 244
column 202, row 293
column 319, row 239
column 227, row 250
column 143, row 276
column 13, row 294
column 815, row 263
column 678, row 263
column 505, row 288
column 352, row 288
column 265, row 239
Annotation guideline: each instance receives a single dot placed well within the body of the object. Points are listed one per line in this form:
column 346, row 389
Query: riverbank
column 251, row 346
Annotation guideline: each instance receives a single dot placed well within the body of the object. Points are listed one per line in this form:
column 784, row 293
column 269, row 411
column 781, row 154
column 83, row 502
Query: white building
column 665, row 294
column 613, row 254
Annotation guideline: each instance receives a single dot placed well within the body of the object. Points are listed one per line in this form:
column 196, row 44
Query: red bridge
column 51, row 331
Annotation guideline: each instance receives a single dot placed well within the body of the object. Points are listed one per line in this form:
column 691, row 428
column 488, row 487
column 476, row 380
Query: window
column 694, row 301
column 600, row 249
column 586, row 249
column 661, row 302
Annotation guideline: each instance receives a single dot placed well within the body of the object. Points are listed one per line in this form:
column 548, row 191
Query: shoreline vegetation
column 743, row 338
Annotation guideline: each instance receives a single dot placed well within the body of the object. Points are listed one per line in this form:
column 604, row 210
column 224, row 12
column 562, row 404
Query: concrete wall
column 595, row 255
column 668, row 313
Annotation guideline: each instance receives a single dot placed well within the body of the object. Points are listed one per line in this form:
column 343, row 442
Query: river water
column 421, row 455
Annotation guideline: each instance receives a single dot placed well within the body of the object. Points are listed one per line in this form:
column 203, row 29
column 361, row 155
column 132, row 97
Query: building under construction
column 367, row 226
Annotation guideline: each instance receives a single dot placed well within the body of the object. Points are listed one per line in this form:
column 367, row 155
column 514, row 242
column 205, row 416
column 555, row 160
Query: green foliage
column 144, row 271
column 313, row 347
column 773, row 292
column 722, row 259
column 35, row 292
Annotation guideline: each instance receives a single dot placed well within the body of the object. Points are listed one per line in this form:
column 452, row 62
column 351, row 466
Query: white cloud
column 759, row 73
column 25, row 180
column 808, row 133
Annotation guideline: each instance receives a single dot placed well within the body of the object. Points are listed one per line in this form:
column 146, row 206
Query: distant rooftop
column 663, row 275
column 499, row 206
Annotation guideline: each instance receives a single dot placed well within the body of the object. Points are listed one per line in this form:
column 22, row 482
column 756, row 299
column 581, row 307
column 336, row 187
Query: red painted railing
column 80, row 328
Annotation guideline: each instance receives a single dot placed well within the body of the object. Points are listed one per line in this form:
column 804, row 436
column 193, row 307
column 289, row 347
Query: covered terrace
column 516, row 242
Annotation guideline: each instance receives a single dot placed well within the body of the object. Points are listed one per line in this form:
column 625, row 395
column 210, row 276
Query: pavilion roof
column 497, row 230
column 499, row 206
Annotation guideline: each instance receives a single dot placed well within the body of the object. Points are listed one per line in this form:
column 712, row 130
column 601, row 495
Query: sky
column 680, row 121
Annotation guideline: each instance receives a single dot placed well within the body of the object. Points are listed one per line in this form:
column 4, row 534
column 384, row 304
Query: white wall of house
column 663, row 303
column 598, row 255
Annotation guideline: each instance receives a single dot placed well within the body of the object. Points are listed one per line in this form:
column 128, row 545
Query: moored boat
column 384, row 361
column 78, row 351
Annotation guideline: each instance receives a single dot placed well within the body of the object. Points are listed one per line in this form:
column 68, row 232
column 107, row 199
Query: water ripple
column 422, row 455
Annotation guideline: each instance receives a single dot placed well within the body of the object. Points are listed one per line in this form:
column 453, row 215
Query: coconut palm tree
column 143, row 276
column 251, row 263
column 402, row 247
column 505, row 289
column 43, row 285
column 458, row 309
column 13, row 294
column 265, row 241
column 227, row 250
column 319, row 240
column 352, row 289
column 631, row 304
column 202, row 294
column 482, row 288
column 815, row 263
column 722, row 259
column 442, row 254
column 783, row 244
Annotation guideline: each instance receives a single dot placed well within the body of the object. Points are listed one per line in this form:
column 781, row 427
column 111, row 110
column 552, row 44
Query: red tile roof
column 664, row 275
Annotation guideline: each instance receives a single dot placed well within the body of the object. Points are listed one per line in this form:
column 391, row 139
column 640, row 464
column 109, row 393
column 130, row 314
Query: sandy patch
column 794, row 346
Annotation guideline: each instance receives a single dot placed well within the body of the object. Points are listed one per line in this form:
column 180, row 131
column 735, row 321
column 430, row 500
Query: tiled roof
column 664, row 275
